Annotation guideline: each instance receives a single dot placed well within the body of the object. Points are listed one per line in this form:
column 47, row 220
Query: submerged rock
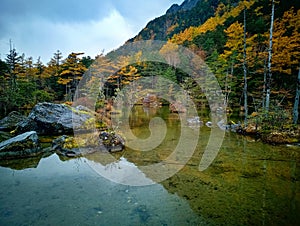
column 55, row 119
column 10, row 122
column 21, row 146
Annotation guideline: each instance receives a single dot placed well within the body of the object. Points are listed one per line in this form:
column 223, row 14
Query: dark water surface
column 249, row 183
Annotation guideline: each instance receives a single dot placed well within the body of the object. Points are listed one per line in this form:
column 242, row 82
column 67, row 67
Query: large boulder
column 21, row 146
column 55, row 119
column 10, row 122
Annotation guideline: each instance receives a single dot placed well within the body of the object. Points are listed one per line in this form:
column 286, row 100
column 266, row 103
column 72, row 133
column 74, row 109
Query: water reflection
column 71, row 193
column 121, row 171
column 249, row 183
column 24, row 163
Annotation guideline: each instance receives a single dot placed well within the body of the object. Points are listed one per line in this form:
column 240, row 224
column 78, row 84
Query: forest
column 253, row 48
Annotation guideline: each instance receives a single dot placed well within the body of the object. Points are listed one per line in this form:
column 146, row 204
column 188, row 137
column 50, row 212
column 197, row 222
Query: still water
column 249, row 183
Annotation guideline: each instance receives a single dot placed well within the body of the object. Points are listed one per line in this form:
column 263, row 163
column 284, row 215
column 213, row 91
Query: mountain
column 214, row 29
column 186, row 5
column 177, row 19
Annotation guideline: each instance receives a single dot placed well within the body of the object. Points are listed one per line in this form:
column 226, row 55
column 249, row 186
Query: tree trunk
column 245, row 73
column 226, row 89
column 264, row 85
column 269, row 71
column 296, row 103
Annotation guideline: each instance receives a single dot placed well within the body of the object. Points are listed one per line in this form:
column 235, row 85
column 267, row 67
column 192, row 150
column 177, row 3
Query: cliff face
column 186, row 5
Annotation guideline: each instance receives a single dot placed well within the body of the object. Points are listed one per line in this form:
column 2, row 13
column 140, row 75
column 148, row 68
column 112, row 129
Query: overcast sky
column 41, row 27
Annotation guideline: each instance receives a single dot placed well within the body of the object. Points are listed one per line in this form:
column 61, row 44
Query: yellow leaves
column 220, row 10
column 64, row 81
column 172, row 28
column 167, row 48
column 211, row 24
column 186, row 35
column 234, row 44
column 170, row 52
column 235, row 32
column 286, row 42
column 67, row 71
column 258, row 11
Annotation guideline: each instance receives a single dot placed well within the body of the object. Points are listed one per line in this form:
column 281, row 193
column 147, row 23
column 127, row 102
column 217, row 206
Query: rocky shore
column 20, row 135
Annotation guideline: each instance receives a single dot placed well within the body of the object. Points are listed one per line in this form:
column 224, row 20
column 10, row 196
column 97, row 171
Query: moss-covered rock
column 87, row 143
column 21, row 146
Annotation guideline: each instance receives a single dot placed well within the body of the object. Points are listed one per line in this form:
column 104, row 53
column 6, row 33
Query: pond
column 248, row 183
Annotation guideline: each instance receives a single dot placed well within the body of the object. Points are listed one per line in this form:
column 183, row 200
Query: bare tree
column 245, row 73
column 269, row 70
column 296, row 103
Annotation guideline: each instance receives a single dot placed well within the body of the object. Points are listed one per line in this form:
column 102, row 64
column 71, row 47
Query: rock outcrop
column 21, row 146
column 55, row 119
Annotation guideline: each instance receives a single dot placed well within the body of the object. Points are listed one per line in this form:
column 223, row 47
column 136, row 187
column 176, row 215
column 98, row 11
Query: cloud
column 45, row 37
column 55, row 10
column 39, row 28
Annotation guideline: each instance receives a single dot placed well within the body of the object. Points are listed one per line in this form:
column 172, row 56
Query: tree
column 269, row 70
column 296, row 103
column 245, row 72
column 232, row 57
column 3, row 86
column 13, row 62
column 72, row 71
column 87, row 61
column 286, row 43
column 51, row 74
column 125, row 75
column 39, row 69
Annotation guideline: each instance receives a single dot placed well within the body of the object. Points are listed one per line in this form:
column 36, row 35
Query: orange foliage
column 210, row 25
column 286, row 42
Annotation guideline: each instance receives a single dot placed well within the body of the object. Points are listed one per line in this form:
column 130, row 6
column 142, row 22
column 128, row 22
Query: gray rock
column 54, row 119
column 21, row 146
column 10, row 122
column 111, row 142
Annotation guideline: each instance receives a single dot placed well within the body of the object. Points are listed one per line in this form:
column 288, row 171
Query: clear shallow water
column 249, row 183
column 71, row 193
